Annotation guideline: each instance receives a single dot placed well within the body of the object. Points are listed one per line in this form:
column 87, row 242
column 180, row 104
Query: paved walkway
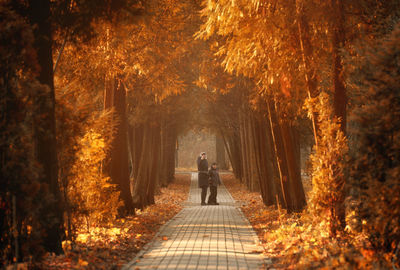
column 203, row 237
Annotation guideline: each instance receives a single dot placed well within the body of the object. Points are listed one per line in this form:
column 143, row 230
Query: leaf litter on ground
column 112, row 246
column 301, row 241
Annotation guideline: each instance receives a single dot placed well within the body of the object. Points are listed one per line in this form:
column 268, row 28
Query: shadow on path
column 203, row 237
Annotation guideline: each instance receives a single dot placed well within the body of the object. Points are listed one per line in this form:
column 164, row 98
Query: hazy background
column 192, row 144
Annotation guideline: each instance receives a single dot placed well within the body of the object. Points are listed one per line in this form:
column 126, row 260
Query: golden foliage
column 90, row 191
column 328, row 164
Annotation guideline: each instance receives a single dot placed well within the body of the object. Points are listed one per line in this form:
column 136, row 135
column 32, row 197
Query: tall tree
column 46, row 146
column 48, row 17
column 118, row 162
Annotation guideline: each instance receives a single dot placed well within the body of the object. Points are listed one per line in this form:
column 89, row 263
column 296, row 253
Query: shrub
column 328, row 163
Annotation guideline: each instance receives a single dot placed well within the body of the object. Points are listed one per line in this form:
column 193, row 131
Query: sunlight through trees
column 302, row 95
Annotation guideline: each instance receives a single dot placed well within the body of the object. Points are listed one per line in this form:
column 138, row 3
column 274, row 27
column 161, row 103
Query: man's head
column 214, row 165
column 203, row 155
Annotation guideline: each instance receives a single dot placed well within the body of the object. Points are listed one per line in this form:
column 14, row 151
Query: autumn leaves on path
column 196, row 237
column 203, row 237
column 113, row 246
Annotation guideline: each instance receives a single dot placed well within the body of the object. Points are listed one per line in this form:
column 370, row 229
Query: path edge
column 266, row 261
column 147, row 246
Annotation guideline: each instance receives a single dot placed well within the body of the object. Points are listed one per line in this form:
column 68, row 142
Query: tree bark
column 243, row 158
column 292, row 153
column 339, row 105
column 171, row 151
column 260, row 166
column 140, row 181
column 220, row 147
column 154, row 165
column 267, row 175
column 137, row 143
column 149, row 172
column 294, row 199
column 45, row 131
column 271, row 165
column 231, row 142
column 164, row 134
column 254, row 152
column 168, row 152
column 338, row 39
column 118, row 160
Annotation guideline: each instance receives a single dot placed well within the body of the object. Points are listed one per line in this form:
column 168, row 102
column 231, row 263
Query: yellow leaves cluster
column 258, row 40
column 328, row 161
column 90, row 192
column 92, row 140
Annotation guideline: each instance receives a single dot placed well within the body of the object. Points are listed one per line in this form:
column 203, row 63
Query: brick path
column 203, row 237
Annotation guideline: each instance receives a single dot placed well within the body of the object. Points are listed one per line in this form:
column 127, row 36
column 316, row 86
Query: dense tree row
column 306, row 54
column 97, row 131
column 95, row 93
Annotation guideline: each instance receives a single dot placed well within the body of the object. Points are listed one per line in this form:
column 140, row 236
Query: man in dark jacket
column 214, row 182
column 202, row 166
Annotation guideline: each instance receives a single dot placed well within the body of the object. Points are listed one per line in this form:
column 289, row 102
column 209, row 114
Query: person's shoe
column 213, row 203
column 203, row 203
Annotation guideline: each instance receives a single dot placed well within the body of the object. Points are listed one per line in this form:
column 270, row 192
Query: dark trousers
column 203, row 193
column 213, row 195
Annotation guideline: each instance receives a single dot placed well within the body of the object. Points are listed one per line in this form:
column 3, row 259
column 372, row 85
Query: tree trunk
column 235, row 149
column 245, row 157
column 45, row 131
column 220, row 147
column 339, row 88
column 292, row 152
column 171, row 150
column 140, row 185
column 271, row 165
column 268, row 187
column 137, row 142
column 154, row 165
column 259, row 165
column 339, row 105
column 149, row 171
column 118, row 161
column 307, row 56
column 253, row 150
column 294, row 199
column 167, row 163
column 164, row 134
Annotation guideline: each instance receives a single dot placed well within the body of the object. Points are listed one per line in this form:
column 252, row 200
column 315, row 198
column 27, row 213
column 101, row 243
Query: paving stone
column 203, row 237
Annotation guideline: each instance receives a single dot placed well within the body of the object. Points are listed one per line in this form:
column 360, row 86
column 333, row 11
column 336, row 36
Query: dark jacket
column 198, row 161
column 214, row 179
column 203, row 172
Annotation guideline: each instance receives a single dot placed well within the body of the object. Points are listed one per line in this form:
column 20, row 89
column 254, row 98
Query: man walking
column 202, row 167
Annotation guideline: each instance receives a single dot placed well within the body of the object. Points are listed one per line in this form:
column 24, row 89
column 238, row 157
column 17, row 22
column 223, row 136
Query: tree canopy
column 94, row 95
